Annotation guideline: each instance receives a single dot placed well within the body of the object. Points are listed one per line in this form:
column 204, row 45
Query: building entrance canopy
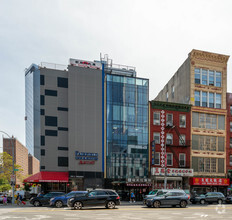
column 48, row 177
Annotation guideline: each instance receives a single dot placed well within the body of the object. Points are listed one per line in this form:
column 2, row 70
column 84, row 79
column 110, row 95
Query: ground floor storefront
column 202, row 185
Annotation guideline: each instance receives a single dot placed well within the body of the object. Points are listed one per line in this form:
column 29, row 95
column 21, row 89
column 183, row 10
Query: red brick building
column 170, row 127
column 229, row 135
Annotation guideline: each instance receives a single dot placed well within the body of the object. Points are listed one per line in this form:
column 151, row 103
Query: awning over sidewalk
column 49, row 177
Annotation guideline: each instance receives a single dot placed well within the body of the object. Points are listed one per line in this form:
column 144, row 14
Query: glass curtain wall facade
column 127, row 127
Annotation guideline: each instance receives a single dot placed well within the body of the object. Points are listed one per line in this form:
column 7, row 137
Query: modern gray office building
column 88, row 120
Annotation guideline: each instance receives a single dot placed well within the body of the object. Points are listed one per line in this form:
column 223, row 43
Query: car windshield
column 153, row 192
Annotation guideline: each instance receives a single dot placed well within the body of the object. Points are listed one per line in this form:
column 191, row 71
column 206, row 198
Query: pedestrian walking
column 19, row 199
column 4, row 200
column 132, row 196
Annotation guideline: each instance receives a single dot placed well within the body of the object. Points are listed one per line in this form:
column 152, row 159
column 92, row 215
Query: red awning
column 48, row 177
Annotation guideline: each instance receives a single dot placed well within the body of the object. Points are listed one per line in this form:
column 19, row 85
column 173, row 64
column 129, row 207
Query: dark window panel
column 50, row 92
column 41, row 99
column 62, row 161
column 42, row 167
column 42, row 139
column 62, row 109
column 42, row 153
column 42, row 111
column 62, row 129
column 50, row 121
column 50, row 133
column 63, row 148
column 41, row 79
column 62, row 82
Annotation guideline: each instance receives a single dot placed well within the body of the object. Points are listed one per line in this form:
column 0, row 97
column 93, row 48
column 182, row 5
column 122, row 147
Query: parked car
column 209, row 197
column 104, row 197
column 172, row 197
column 154, row 193
column 9, row 198
column 229, row 199
column 44, row 199
column 60, row 201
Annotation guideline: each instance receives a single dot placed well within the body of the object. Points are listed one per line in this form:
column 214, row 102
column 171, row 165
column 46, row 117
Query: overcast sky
column 154, row 36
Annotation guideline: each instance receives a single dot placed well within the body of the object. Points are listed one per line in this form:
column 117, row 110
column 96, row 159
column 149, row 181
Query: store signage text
column 86, row 156
column 138, row 184
column 157, row 171
column 210, row 181
column 86, row 162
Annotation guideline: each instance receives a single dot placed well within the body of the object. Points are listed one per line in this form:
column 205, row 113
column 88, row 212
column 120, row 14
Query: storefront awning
column 48, row 177
column 169, row 178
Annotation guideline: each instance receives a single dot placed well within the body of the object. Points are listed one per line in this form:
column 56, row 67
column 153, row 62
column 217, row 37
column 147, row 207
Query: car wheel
column 183, row 204
column 77, row 205
column 219, row 201
column 156, row 204
column 202, row 202
column 36, row 203
column 59, row 204
column 110, row 205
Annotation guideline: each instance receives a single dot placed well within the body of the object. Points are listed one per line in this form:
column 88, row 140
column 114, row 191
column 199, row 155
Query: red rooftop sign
column 197, row 181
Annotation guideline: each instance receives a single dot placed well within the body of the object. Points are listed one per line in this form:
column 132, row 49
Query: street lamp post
column 165, row 173
column 13, row 168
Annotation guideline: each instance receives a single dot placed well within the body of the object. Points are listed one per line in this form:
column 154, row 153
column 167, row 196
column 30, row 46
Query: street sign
column 16, row 169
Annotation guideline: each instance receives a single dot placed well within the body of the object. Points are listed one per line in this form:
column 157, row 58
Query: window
column 62, row 161
column 211, row 78
column 205, row 165
column 63, row 148
column 204, row 99
column 231, row 110
column 182, row 160
column 182, row 121
column 230, row 142
column 209, row 121
column 42, row 112
column 221, row 122
column 156, row 118
column 182, row 140
column 231, row 126
column 42, row 153
column 230, row 160
column 218, row 100
column 197, row 98
column 157, row 158
column 62, row 129
column 204, row 77
column 42, row 167
column 169, row 140
column 169, row 120
column 41, row 80
column 50, row 132
column 218, row 79
column 42, row 140
column 41, row 99
column 62, row 82
column 169, row 159
column 197, row 76
column 62, row 109
column 167, row 96
column 156, row 137
column 173, row 91
column 211, row 100
column 50, row 121
column 50, row 92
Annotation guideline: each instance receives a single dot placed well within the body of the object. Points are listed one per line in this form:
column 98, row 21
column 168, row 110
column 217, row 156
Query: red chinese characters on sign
column 209, row 181
column 156, row 171
column 86, row 162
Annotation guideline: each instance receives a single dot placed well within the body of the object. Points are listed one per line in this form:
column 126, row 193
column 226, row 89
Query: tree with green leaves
column 6, row 170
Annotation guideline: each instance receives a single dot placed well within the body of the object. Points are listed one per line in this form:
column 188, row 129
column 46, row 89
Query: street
column 135, row 212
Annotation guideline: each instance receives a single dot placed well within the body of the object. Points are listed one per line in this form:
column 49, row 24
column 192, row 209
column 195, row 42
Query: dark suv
column 209, row 197
column 172, row 197
column 44, row 199
column 104, row 197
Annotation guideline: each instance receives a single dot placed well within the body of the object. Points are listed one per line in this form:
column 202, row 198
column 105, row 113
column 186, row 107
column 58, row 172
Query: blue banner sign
column 86, row 156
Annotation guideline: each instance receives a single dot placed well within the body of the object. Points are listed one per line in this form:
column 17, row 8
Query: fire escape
column 183, row 143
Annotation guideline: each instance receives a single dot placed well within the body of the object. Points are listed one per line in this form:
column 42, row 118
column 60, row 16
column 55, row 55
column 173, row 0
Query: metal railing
column 53, row 66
